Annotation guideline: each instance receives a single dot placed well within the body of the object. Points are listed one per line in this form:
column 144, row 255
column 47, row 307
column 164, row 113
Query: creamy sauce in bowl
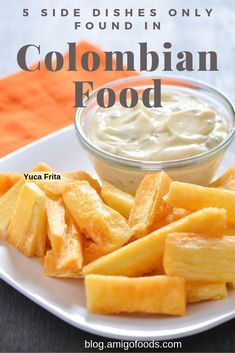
column 185, row 126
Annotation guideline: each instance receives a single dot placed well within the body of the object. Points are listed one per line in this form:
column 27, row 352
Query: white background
column 194, row 33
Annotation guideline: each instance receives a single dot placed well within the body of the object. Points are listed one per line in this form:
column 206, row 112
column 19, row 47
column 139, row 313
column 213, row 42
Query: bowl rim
column 154, row 165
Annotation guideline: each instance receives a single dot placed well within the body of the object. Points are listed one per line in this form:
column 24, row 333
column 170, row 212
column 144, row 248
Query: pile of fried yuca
column 171, row 244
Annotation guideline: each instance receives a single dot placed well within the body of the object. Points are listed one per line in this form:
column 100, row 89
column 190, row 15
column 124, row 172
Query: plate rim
column 115, row 333
column 190, row 331
column 36, row 142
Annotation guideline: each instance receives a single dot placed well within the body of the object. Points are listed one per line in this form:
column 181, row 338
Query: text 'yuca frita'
column 171, row 244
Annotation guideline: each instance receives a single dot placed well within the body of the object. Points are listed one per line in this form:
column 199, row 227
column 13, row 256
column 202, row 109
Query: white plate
column 65, row 298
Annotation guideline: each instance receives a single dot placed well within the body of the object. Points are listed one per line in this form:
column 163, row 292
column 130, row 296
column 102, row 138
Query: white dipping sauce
column 185, row 126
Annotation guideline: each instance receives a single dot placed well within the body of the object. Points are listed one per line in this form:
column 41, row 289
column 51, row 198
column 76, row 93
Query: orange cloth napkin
column 34, row 104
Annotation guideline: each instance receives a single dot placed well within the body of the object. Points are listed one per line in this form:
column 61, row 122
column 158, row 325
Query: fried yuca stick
column 56, row 223
column 7, row 180
column 230, row 229
column 146, row 254
column 92, row 251
column 51, row 269
column 149, row 207
column 9, row 199
column 231, row 285
column 117, row 199
column 200, row 258
column 200, row 291
column 195, row 197
column 81, row 175
column 27, row 229
column 54, row 188
column 155, row 294
column 174, row 215
column 96, row 220
column 65, row 238
column 71, row 252
column 226, row 181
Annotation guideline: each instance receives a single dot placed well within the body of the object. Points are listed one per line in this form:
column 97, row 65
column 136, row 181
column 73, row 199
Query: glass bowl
column 127, row 174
